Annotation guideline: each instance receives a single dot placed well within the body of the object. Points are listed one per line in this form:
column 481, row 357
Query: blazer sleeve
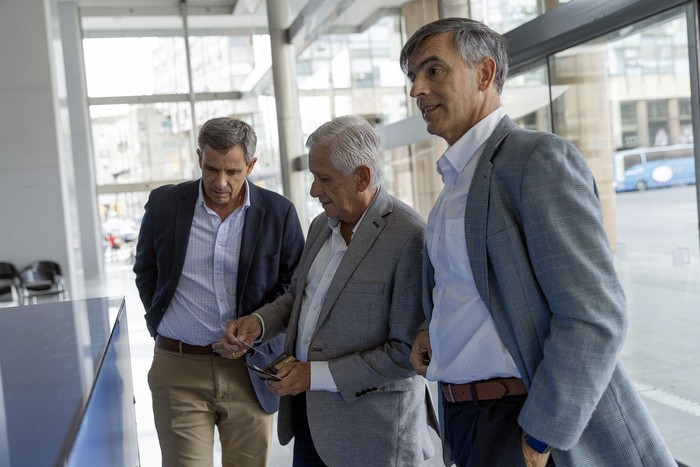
column 275, row 315
column 145, row 263
column 291, row 251
column 572, row 261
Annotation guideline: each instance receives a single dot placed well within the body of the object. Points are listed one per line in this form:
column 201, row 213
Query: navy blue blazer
column 271, row 247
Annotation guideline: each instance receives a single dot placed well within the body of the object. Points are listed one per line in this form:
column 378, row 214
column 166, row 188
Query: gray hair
column 223, row 133
column 352, row 142
column 473, row 39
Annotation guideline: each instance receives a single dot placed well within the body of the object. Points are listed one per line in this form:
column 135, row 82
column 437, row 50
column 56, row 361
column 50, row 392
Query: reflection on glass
column 360, row 68
column 626, row 106
column 526, row 98
column 356, row 73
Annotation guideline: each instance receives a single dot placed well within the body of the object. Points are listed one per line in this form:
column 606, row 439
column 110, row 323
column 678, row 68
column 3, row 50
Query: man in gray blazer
column 526, row 313
column 350, row 315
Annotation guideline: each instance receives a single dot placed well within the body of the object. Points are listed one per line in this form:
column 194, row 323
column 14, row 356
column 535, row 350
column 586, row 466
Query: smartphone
column 262, row 374
column 279, row 362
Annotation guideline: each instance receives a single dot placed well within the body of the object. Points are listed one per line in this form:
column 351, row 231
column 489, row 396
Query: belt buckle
column 452, row 396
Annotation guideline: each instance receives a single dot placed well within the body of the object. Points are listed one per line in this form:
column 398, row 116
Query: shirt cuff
column 321, row 377
column 262, row 326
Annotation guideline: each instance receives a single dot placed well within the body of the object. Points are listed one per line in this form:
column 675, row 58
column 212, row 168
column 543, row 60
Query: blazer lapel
column 363, row 239
column 184, row 213
column 317, row 236
column 249, row 240
column 476, row 210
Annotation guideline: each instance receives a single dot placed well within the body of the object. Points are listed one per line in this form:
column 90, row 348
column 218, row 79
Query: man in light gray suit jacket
column 526, row 314
column 351, row 314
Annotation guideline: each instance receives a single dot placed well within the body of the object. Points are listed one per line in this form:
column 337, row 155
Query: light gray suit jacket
column 365, row 330
column 543, row 266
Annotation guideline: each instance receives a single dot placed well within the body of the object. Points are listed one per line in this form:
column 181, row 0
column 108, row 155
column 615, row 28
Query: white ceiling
column 302, row 18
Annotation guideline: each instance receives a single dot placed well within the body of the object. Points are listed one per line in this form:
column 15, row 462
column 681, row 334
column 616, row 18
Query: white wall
column 38, row 210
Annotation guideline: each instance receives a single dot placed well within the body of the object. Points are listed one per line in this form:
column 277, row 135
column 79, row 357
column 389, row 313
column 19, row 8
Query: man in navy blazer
column 526, row 313
column 209, row 251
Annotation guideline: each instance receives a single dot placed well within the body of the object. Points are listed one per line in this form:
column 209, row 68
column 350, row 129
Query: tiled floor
column 678, row 416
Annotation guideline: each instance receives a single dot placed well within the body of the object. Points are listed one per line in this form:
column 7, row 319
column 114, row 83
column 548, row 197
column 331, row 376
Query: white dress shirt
column 318, row 281
column 463, row 337
column 205, row 298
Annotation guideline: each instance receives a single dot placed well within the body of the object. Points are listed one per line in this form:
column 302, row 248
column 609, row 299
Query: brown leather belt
column 486, row 390
column 173, row 345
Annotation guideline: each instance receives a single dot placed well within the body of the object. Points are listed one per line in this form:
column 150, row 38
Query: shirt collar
column 246, row 201
column 457, row 155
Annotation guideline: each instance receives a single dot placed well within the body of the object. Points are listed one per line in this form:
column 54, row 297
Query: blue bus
column 658, row 167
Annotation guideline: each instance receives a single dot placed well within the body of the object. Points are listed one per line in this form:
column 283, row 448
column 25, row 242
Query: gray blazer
column 543, row 266
column 368, row 321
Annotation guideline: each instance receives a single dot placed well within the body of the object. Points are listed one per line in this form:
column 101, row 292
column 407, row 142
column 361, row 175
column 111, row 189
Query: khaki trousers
column 194, row 393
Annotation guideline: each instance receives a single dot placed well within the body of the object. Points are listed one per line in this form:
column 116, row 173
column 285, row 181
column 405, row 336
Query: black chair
column 42, row 278
column 10, row 285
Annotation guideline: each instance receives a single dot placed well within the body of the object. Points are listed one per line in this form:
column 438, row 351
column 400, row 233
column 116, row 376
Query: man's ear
column 250, row 165
column 364, row 177
column 487, row 73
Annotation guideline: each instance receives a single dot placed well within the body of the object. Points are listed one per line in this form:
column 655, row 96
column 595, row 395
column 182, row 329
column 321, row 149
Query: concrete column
column 81, row 140
column 426, row 181
column 284, row 72
column 585, row 120
column 37, row 185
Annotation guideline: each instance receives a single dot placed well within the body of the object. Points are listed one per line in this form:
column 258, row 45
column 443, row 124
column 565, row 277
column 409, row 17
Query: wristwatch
column 536, row 444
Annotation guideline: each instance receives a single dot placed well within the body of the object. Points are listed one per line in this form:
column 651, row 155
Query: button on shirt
column 205, row 298
column 463, row 337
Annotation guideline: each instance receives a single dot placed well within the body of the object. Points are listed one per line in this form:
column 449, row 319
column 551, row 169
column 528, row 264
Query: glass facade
column 637, row 135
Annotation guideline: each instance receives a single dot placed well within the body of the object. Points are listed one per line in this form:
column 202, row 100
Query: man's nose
column 418, row 88
column 221, row 179
column 314, row 191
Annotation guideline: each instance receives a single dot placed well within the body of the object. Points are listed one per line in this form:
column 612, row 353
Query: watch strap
column 536, row 444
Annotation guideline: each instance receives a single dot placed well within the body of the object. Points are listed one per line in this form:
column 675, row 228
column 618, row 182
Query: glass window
column 226, row 63
column 120, row 214
column 649, row 199
column 142, row 143
column 139, row 146
column 135, row 66
column 501, row 15
column 526, row 99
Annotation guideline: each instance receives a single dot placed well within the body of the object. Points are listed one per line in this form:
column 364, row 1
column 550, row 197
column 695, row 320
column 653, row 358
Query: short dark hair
column 474, row 40
column 223, row 133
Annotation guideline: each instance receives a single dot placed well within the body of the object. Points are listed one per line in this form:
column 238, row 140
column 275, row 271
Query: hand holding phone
column 263, row 374
column 270, row 371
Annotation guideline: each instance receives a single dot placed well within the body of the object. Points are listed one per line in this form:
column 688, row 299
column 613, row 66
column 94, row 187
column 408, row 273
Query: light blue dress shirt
column 205, row 298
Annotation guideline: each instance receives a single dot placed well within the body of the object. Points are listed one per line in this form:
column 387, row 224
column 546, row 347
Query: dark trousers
column 305, row 454
column 485, row 433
